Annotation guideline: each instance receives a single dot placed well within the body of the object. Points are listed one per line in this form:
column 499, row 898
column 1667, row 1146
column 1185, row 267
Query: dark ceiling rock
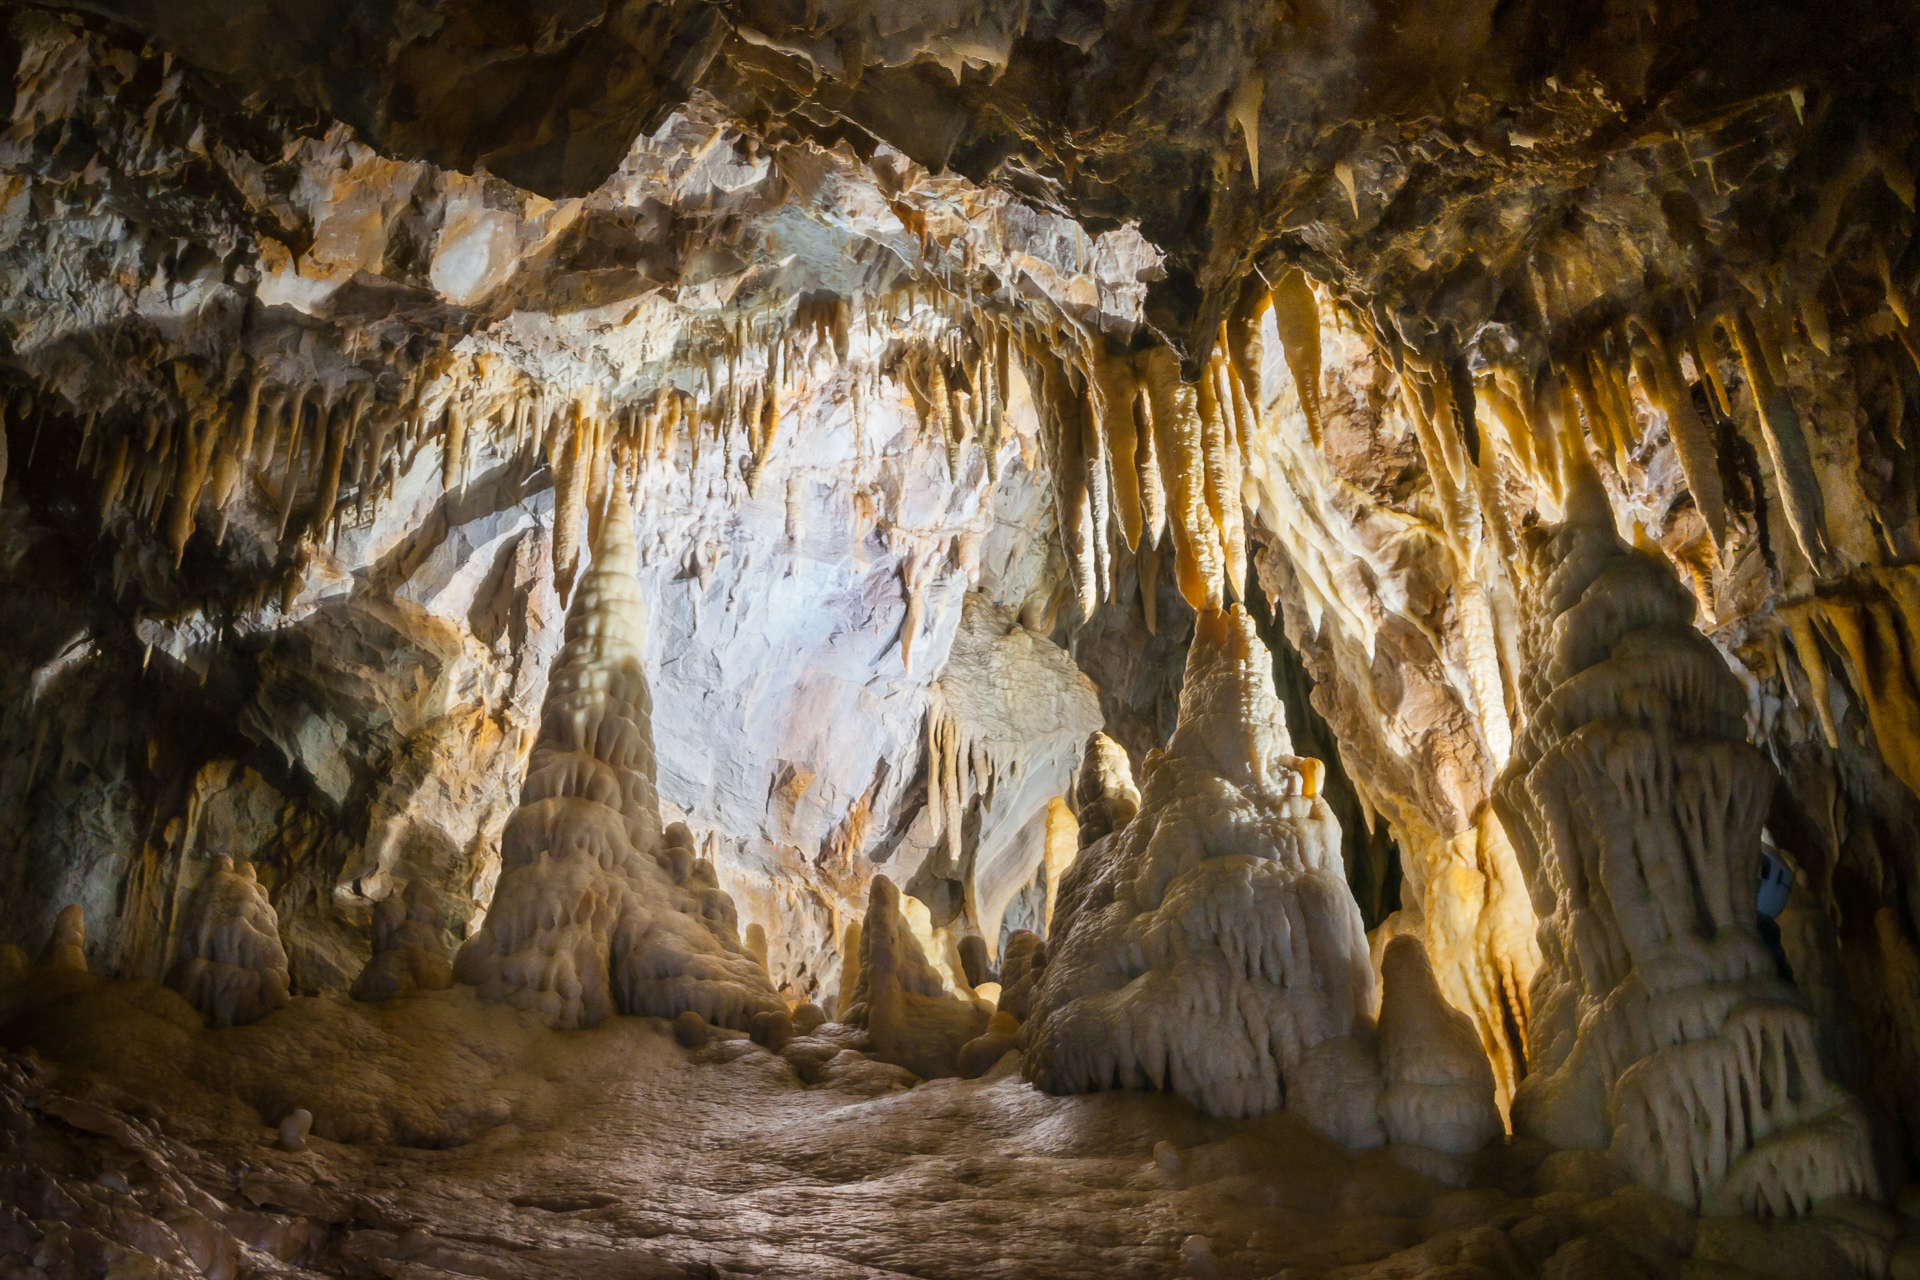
column 548, row 94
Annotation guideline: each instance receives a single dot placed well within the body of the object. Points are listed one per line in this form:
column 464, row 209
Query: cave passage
column 1228, row 642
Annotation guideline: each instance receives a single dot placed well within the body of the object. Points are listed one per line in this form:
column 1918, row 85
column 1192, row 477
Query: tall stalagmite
column 1212, row 942
column 1661, row 1032
column 594, row 912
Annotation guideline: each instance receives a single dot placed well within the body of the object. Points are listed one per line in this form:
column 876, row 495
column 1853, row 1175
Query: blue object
column 1776, row 881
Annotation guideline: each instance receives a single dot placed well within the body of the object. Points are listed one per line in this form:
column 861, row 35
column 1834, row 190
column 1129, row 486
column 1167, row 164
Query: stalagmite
column 1179, row 449
column 913, row 1018
column 1105, row 793
column 1210, row 944
column 1437, row 1083
column 232, row 967
column 66, row 946
column 1296, row 317
column 978, row 1056
column 1661, row 1032
column 408, row 955
column 1786, row 444
column 849, row 969
column 595, row 911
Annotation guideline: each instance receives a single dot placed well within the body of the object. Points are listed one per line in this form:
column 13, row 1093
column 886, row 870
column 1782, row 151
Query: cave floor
column 456, row 1139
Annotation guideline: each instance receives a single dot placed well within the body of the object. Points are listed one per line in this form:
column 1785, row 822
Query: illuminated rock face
column 1206, row 946
column 1661, row 1031
column 594, row 913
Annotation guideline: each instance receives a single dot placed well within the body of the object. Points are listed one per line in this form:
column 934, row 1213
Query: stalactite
column 1178, row 448
column 195, row 460
column 570, row 497
column 1706, row 360
column 287, row 406
column 1093, row 447
column 1148, row 568
column 1599, row 422
column 599, row 456
column 1296, row 317
column 116, row 476
column 1608, row 382
column 343, row 427
column 453, row 448
column 1222, row 471
column 1113, row 387
column 1245, row 355
column 940, row 405
column 1786, row 443
column 230, row 458
column 916, row 572
column 1153, row 495
column 290, row 467
column 1659, row 375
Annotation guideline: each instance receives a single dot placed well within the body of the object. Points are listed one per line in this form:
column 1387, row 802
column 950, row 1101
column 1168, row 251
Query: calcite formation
column 595, row 912
column 1210, row 944
column 919, row 392
column 1662, row 1032
column 408, row 954
column 914, row 1013
column 1436, row 1082
column 232, row 967
column 1107, row 798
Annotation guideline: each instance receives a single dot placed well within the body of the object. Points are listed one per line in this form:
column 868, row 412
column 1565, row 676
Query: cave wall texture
column 955, row 362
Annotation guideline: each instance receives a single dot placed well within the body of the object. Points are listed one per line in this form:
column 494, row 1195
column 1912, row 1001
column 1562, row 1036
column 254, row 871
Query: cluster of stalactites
column 1586, row 408
column 960, row 766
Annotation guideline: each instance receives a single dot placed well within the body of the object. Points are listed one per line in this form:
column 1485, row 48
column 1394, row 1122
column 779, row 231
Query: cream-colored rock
column 595, row 911
column 1107, row 798
column 1020, row 969
column 232, row 967
column 408, row 954
column 1662, row 1032
column 66, row 947
column 1437, row 1083
column 977, row 1056
column 906, row 1004
column 1208, row 946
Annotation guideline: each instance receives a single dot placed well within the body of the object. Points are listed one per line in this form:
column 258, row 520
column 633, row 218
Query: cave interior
column 1265, row 640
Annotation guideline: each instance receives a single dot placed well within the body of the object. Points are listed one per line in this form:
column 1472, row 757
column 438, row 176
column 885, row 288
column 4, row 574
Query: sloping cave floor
column 480, row 1143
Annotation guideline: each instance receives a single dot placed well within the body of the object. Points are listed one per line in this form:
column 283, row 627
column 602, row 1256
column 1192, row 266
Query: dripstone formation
column 1052, row 640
